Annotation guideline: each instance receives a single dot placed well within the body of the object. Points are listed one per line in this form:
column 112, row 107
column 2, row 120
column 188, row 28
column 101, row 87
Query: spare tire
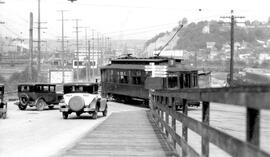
column 76, row 103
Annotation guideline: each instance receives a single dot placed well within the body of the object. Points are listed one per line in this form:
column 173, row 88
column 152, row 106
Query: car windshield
column 25, row 88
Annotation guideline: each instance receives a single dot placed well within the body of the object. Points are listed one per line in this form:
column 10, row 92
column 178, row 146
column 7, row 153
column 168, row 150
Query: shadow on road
column 82, row 117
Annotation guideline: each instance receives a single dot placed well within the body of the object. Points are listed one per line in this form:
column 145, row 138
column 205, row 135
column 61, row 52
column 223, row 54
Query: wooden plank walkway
column 130, row 133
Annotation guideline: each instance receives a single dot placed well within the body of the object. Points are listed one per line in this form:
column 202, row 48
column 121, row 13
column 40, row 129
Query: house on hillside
column 263, row 57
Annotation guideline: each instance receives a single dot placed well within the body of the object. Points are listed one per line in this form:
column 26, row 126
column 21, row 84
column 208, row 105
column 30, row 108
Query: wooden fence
column 253, row 98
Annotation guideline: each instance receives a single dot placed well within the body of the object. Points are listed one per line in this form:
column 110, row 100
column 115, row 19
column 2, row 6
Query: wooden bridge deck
column 130, row 133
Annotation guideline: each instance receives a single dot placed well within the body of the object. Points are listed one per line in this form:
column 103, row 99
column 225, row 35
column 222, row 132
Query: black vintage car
column 39, row 95
column 3, row 103
column 81, row 98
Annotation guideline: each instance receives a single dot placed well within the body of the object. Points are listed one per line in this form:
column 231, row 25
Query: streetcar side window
column 181, row 78
column 187, row 81
column 172, row 81
column 111, row 75
column 123, row 77
column 136, row 77
column 195, row 79
column 103, row 76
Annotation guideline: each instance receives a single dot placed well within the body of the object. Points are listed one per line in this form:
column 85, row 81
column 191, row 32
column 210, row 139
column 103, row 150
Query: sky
column 120, row 19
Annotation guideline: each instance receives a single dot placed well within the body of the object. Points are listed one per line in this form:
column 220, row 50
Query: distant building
column 206, row 29
column 263, row 56
column 210, row 45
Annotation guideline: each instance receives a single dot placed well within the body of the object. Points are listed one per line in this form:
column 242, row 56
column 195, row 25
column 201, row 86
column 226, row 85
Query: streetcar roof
column 35, row 83
column 180, row 67
column 80, row 84
column 144, row 61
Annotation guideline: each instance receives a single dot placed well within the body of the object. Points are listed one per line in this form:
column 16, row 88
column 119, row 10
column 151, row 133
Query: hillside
column 194, row 36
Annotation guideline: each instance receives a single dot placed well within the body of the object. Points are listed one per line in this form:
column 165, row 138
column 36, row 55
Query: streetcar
column 126, row 79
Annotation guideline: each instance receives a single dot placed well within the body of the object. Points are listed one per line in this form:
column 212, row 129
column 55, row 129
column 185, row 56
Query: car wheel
column 51, row 106
column 40, row 104
column 94, row 115
column 105, row 112
column 78, row 114
column 65, row 115
column 21, row 106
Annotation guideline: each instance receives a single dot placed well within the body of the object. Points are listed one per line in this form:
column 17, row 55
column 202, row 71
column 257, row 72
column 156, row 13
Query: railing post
column 253, row 126
column 167, row 116
column 184, row 128
column 173, row 120
column 205, row 120
column 162, row 114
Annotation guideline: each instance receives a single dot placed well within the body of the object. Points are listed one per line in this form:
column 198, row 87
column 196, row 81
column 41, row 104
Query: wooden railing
column 253, row 98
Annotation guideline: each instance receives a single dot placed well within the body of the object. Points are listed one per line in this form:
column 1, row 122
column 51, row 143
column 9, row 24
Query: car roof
column 2, row 84
column 35, row 83
column 80, row 83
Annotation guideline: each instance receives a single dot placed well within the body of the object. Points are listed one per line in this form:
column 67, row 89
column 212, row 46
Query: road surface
column 32, row 133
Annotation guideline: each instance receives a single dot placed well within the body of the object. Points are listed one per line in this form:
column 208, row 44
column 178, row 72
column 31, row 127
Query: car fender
column 103, row 104
column 39, row 99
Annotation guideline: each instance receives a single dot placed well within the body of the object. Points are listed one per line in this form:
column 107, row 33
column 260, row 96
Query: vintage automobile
column 39, row 95
column 3, row 103
column 81, row 98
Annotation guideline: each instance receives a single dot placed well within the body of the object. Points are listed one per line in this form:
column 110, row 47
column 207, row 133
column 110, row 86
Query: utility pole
column 93, row 54
column 39, row 43
column 86, row 51
column 102, row 50
column 31, row 47
column 38, row 68
column 63, row 47
column 98, row 51
column 88, row 60
column 77, row 47
column 232, row 17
